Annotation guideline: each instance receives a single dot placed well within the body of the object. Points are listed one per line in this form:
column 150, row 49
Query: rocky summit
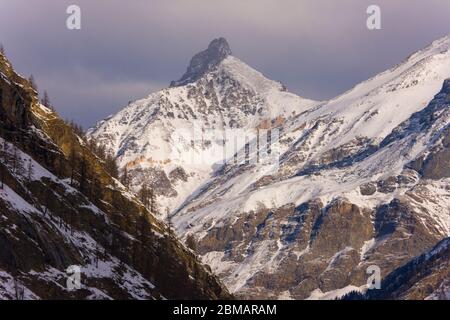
column 204, row 61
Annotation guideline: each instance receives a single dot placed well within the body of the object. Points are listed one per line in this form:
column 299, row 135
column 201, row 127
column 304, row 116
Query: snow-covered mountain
column 153, row 137
column 362, row 179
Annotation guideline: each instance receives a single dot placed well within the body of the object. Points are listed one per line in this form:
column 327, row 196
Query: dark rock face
column 388, row 185
column 156, row 179
column 437, row 164
column 407, row 177
column 368, row 189
column 425, row 277
column 321, row 246
column 15, row 95
column 204, row 61
column 328, row 238
column 178, row 174
column 336, row 274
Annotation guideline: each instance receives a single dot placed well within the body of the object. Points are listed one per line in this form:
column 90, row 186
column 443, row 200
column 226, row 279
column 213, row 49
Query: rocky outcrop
column 368, row 189
column 204, row 61
column 437, row 164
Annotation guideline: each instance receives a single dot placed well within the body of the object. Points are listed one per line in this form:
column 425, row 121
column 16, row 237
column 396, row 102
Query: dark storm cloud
column 127, row 49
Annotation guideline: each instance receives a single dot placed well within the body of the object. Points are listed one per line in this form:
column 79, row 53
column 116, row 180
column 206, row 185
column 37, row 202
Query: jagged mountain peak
column 204, row 61
column 221, row 45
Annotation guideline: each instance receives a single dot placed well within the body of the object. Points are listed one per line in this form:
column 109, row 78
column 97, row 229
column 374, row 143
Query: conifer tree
column 32, row 83
column 72, row 161
column 3, row 162
column 169, row 220
column 46, row 101
column 2, row 176
column 191, row 242
column 144, row 195
column 153, row 206
column 111, row 166
column 124, row 179
column 29, row 170
column 19, row 289
column 16, row 161
column 83, row 174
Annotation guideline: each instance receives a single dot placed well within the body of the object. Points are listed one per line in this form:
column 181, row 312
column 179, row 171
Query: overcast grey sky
column 128, row 49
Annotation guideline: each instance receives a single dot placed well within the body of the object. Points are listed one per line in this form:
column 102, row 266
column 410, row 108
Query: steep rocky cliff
column 59, row 208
